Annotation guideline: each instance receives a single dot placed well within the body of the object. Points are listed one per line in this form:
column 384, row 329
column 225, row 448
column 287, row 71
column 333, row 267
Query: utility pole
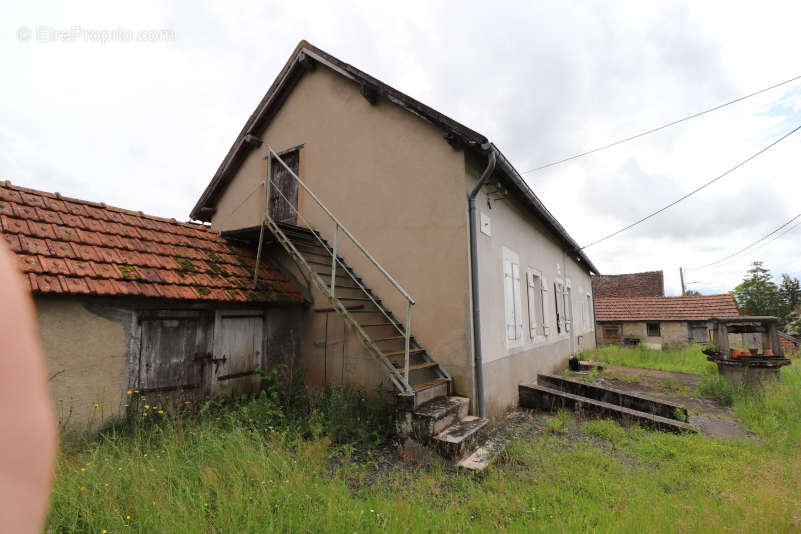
column 681, row 275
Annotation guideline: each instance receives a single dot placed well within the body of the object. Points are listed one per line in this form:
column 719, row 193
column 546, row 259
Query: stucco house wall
column 398, row 186
column 87, row 352
column 506, row 365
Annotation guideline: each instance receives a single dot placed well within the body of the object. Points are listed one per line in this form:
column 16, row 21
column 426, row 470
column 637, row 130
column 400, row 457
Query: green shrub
column 718, row 388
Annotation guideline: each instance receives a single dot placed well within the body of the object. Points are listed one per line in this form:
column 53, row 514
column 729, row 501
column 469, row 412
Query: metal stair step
column 417, row 366
column 401, row 352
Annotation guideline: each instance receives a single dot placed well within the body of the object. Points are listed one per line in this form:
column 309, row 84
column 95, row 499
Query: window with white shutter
column 546, row 308
column 512, row 299
column 559, row 299
column 590, row 316
column 536, row 316
column 568, row 296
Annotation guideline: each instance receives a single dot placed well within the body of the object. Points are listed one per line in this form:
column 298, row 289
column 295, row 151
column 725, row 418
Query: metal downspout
column 471, row 203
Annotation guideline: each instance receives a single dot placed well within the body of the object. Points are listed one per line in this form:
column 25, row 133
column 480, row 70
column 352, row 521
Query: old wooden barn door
column 237, row 351
column 173, row 347
column 284, row 189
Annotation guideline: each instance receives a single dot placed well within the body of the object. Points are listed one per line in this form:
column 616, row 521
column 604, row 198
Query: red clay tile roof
column 69, row 246
column 698, row 308
column 647, row 284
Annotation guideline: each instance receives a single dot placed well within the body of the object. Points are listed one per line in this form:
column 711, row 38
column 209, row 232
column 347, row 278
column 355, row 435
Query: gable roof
column 645, row 284
column 69, row 246
column 696, row 308
column 306, row 57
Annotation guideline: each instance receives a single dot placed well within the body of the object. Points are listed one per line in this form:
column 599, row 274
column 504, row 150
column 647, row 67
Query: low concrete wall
column 87, row 351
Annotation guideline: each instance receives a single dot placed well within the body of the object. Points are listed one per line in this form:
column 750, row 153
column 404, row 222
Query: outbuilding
column 132, row 305
column 660, row 322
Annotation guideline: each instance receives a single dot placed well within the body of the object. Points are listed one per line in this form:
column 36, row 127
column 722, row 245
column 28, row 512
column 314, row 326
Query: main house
column 432, row 266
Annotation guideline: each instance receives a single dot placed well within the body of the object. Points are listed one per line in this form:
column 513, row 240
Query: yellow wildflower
column 83, row 469
column 187, row 402
column 83, row 488
column 147, row 406
column 129, row 392
column 161, row 412
column 143, row 397
column 104, row 531
column 127, row 517
column 136, row 391
column 96, row 404
column 119, row 468
column 144, row 414
column 152, row 470
column 105, row 485
column 153, row 503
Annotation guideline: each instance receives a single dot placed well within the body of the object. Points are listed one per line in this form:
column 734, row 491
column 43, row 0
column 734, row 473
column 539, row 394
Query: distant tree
column 790, row 294
column 758, row 294
column 692, row 293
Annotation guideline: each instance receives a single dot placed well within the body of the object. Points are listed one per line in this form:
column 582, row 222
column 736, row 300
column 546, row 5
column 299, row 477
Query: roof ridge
column 102, row 205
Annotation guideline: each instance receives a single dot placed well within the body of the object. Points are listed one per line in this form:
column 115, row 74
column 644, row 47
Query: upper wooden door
column 284, row 189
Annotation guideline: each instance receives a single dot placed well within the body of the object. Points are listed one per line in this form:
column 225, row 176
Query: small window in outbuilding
column 611, row 331
column 654, row 330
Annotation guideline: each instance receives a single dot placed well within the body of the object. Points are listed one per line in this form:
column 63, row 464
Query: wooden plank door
column 284, row 189
column 238, row 345
column 172, row 349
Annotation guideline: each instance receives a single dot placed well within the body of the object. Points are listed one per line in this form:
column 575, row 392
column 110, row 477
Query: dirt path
column 710, row 416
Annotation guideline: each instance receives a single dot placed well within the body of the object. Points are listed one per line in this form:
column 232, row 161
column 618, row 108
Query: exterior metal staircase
column 412, row 370
column 378, row 329
column 425, row 408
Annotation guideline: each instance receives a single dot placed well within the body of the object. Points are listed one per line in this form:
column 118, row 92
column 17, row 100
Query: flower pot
column 754, row 351
column 734, row 353
column 768, row 352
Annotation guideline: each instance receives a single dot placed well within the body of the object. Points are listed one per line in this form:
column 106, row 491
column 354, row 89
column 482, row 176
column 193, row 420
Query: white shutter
column 517, row 301
column 559, row 299
column 546, row 309
column 508, row 294
column 568, row 296
column 532, row 304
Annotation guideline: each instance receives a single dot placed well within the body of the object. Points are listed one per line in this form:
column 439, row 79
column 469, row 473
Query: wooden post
column 681, row 276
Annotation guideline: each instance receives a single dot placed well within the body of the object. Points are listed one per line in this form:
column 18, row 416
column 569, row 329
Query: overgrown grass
column 686, row 360
column 272, row 464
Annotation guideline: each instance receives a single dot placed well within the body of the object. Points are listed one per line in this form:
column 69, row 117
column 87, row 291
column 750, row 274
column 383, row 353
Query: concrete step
column 429, row 390
column 545, row 398
column 460, row 437
column 641, row 403
column 483, row 456
column 435, row 416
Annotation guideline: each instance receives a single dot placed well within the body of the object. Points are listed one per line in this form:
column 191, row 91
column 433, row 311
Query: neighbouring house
column 334, row 159
column 789, row 343
column 126, row 301
column 645, row 284
column 659, row 322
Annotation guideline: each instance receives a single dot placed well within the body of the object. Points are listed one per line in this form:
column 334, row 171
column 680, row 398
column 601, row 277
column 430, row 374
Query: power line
column 694, row 191
column 652, row 130
column 753, row 244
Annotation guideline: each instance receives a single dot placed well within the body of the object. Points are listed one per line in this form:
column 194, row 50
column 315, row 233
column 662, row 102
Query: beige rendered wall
column 393, row 180
column 674, row 333
column 508, row 365
column 87, row 356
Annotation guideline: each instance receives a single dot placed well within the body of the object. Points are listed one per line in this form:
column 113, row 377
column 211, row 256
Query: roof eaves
column 528, row 195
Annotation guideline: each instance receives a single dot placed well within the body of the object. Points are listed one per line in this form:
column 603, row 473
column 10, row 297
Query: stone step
column 457, row 439
column 435, row 416
column 544, row 398
column 641, row 403
column 482, row 457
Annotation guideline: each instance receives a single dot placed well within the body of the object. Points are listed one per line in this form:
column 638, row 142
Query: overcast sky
column 144, row 125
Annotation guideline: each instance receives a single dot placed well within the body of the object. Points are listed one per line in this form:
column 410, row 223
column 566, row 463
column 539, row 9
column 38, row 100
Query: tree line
column 758, row 294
